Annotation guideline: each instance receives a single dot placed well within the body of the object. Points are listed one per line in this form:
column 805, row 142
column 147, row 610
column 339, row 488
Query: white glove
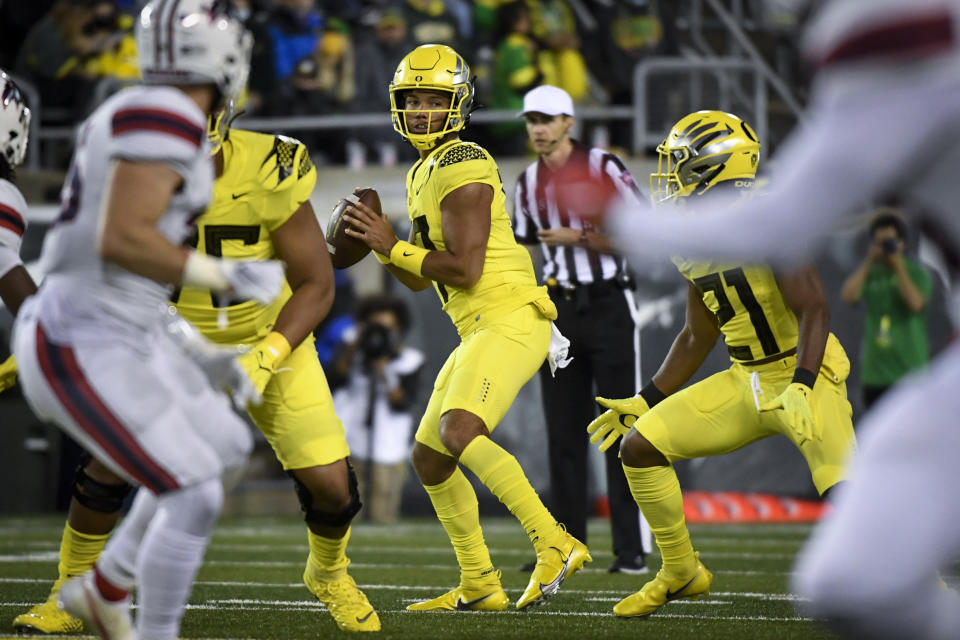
column 254, row 280
column 241, row 279
column 219, row 363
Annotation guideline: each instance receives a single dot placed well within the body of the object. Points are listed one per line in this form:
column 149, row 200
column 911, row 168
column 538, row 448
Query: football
column 346, row 251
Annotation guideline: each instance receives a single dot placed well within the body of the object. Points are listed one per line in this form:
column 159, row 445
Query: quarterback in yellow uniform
column 260, row 210
column 787, row 377
column 461, row 243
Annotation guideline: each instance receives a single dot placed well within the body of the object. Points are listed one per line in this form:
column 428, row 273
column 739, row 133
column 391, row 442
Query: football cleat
column 479, row 597
column 48, row 617
column 81, row 598
column 346, row 603
column 662, row 589
column 554, row 565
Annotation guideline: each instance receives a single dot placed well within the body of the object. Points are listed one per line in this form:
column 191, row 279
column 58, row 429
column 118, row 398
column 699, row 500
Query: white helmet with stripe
column 194, row 42
column 14, row 121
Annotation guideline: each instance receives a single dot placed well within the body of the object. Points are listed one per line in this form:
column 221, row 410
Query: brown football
column 346, row 251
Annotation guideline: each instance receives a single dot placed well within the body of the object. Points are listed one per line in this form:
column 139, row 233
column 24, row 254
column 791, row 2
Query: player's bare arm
column 465, row 216
column 803, row 292
column 691, row 346
column 138, row 195
column 15, row 286
column 300, row 244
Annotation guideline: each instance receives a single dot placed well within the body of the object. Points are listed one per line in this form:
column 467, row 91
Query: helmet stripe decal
column 686, row 132
column 157, row 39
column 170, row 31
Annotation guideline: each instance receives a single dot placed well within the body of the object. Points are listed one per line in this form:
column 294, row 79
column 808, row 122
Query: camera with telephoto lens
column 890, row 245
column 377, row 341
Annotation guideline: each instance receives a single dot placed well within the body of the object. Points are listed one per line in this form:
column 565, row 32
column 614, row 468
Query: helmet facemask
column 432, row 68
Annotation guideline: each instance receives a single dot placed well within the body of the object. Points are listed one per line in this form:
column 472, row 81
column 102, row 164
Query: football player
column 260, row 210
column 462, row 244
column 98, row 353
column 883, row 120
column 15, row 283
column 787, row 375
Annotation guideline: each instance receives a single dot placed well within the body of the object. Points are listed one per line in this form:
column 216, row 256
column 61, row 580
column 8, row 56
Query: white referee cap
column 552, row 101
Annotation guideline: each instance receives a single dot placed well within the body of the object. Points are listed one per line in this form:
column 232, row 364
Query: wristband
column 804, row 376
column 651, row 394
column 408, row 257
column 382, row 259
column 277, row 346
column 204, row 272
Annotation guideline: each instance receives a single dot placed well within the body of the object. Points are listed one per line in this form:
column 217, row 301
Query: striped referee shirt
column 536, row 208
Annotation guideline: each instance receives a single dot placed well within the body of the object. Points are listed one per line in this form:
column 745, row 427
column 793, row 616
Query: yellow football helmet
column 438, row 68
column 702, row 150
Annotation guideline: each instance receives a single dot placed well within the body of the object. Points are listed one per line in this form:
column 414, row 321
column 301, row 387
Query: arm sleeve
column 13, row 224
column 172, row 132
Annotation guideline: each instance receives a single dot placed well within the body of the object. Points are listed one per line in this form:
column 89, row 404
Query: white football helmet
column 14, row 121
column 194, row 42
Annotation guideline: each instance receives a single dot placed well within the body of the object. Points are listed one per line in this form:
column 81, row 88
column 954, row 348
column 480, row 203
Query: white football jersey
column 13, row 223
column 145, row 123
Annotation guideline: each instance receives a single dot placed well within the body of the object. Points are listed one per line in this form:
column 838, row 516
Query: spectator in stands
column 376, row 61
column 555, row 28
column 626, row 32
column 895, row 290
column 374, row 401
column 431, row 22
column 72, row 48
column 283, row 37
column 516, row 70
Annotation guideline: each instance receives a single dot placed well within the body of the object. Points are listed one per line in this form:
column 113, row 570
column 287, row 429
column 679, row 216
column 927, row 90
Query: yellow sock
column 501, row 473
column 78, row 553
column 657, row 493
column 328, row 557
column 455, row 502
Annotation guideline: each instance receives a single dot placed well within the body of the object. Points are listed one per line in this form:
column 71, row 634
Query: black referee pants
column 600, row 327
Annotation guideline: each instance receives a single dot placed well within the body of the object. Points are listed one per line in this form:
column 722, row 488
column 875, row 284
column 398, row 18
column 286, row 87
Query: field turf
column 249, row 586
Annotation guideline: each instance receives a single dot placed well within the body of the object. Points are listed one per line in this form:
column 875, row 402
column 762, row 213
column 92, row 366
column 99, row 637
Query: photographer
column 895, row 290
column 374, row 382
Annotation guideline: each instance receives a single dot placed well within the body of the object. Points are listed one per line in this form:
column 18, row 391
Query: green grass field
column 249, row 586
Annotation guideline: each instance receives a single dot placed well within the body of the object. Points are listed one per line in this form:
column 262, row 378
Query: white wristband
column 204, row 272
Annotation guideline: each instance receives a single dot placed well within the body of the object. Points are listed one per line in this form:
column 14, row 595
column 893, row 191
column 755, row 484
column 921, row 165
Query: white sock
column 118, row 562
column 171, row 555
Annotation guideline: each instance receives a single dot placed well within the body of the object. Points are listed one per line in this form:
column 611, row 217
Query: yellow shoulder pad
column 285, row 165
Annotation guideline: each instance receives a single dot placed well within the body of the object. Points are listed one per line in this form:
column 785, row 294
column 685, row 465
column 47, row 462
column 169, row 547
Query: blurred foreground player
column 261, row 210
column 787, row 375
column 15, row 283
column 99, row 353
column 461, row 242
column 884, row 119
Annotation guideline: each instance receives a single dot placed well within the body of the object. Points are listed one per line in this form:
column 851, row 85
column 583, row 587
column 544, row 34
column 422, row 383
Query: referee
column 594, row 296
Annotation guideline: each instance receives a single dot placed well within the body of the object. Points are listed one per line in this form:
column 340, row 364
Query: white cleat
column 80, row 597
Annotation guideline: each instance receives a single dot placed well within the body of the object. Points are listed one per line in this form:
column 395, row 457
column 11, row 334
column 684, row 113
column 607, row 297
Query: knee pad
column 324, row 518
column 96, row 495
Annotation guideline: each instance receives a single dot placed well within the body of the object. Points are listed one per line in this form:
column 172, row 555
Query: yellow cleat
column 554, row 565
column 480, row 597
column 47, row 618
column 346, row 603
column 662, row 589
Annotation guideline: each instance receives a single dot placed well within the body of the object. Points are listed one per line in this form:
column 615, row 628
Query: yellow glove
column 261, row 361
column 8, row 373
column 617, row 420
column 795, row 404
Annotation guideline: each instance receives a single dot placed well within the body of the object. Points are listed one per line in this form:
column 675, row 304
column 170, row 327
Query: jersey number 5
column 213, row 237
column 737, row 279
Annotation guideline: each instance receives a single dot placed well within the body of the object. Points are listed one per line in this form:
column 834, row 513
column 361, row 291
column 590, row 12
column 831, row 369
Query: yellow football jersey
column 265, row 180
column 751, row 312
column 508, row 281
